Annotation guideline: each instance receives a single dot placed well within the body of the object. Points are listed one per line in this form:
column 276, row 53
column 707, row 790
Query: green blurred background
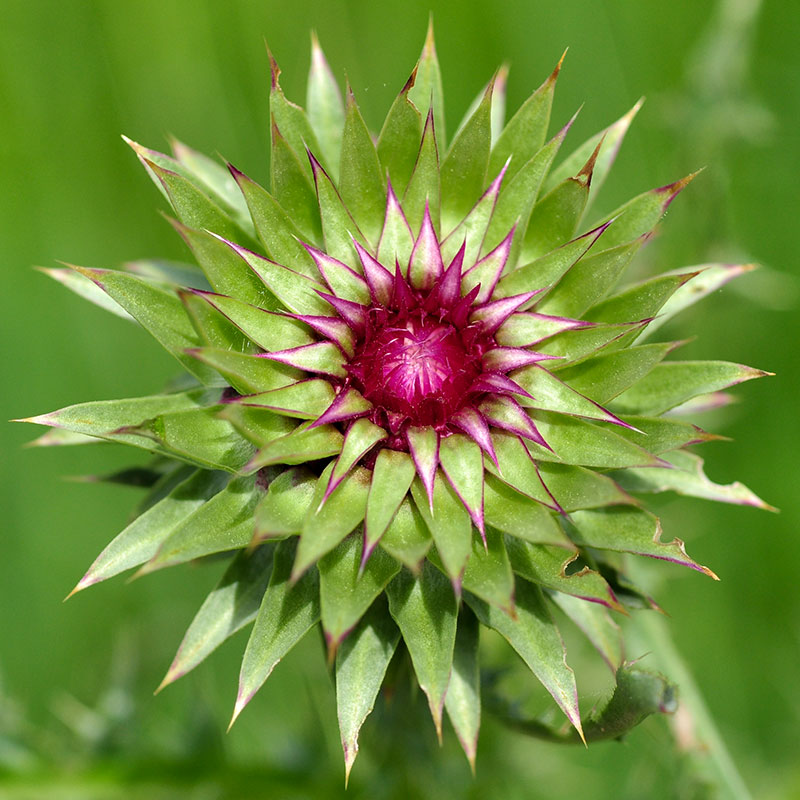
column 77, row 719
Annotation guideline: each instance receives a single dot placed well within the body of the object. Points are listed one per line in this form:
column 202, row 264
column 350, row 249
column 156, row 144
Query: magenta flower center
column 417, row 368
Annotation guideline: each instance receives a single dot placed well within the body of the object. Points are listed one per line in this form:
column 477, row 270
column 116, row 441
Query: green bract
column 422, row 397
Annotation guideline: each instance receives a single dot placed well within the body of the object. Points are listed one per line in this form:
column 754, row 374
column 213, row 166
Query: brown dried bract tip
column 585, row 175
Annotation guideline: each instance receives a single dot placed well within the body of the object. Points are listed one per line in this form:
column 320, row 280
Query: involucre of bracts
column 422, row 397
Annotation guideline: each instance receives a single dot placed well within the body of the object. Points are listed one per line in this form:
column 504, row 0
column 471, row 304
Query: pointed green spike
column 610, row 141
column 281, row 511
column 391, row 480
column 86, row 288
column 223, row 523
column 159, row 311
column 320, row 357
column 275, row 228
column 399, row 140
column 642, row 213
column 527, row 129
column 327, row 524
column 325, row 107
column 576, row 345
column 258, row 425
column 424, row 609
column 292, row 186
column 577, row 487
column 674, row 382
column 462, row 462
column 361, row 664
column 463, row 698
column 361, row 183
column 663, row 434
column 424, row 184
column 346, row 591
column 427, row 93
column 289, row 118
column 407, row 538
column 141, row 539
column 516, row 467
column 629, row 529
column 233, row 604
column 465, row 166
column 289, row 609
column 449, row 524
column 397, row 239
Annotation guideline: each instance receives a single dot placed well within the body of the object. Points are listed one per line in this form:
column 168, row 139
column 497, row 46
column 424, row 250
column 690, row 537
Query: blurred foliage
column 76, row 719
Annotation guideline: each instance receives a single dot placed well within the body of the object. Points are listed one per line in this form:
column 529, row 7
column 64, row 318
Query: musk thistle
column 421, row 397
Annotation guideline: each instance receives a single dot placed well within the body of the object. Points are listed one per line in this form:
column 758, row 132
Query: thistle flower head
column 421, row 390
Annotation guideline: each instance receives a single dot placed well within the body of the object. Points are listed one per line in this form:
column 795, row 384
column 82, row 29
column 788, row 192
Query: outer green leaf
column 361, row 663
column 292, row 187
column 517, row 515
column 217, row 179
column 360, row 179
column 199, row 436
column 463, row 698
column 407, row 538
column 86, row 288
column 526, row 131
column 281, row 511
column 301, row 445
column 326, row 525
column 577, row 344
column 590, row 279
column 517, row 469
column 224, row 523
column 555, row 217
column 640, row 301
column 577, row 487
column 306, row 399
column 158, row 311
column 449, row 524
column 534, row 636
column 689, row 479
column 462, row 462
column 103, row 418
column 424, row 609
column 360, row 438
column 325, row 108
column 232, row 604
column 427, row 92
column 346, row 591
column 488, row 573
column 276, row 231
column 547, row 566
column 674, row 382
column 258, row 425
column 173, row 273
column 464, row 167
column 227, row 272
column 605, row 376
column 575, row 441
column 399, row 140
column 628, row 529
column 391, row 480
column 247, row 373
column 662, row 434
column 424, row 183
column 287, row 611
column 297, row 292
column 140, row 540
column 597, row 625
